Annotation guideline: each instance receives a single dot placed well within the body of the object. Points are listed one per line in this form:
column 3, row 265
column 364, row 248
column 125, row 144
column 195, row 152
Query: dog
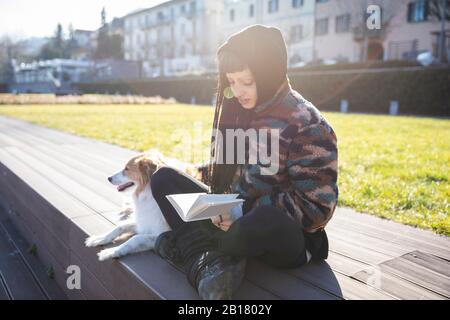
column 144, row 218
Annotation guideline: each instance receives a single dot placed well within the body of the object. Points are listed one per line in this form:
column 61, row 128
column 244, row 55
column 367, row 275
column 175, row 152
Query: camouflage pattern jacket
column 305, row 186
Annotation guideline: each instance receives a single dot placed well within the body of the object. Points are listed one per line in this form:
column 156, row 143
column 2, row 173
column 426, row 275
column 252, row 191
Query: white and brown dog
column 146, row 221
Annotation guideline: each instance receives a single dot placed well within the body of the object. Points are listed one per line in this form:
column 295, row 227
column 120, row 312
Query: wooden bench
column 55, row 188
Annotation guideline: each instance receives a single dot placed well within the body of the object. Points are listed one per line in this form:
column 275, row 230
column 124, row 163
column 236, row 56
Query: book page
column 215, row 209
column 184, row 202
column 200, row 206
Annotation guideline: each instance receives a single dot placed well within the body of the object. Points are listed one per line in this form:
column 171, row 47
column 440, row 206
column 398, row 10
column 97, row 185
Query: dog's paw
column 95, row 241
column 108, row 254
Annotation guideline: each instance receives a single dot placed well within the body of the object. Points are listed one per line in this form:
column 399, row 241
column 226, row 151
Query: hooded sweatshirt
column 305, row 185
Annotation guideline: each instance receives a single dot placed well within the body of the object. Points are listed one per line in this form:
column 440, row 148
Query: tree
column 56, row 48
column 108, row 45
column 103, row 16
column 359, row 16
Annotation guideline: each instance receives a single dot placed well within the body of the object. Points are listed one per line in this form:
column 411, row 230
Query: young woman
column 282, row 219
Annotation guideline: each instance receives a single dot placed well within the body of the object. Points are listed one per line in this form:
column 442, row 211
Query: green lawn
column 392, row 167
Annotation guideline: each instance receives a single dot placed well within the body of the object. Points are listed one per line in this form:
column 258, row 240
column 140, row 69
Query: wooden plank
column 44, row 257
column 368, row 242
column 406, row 241
column 47, row 238
column 51, row 290
column 54, row 136
column 389, row 283
column 91, row 287
column 63, row 137
column 4, row 295
column 18, row 279
column 283, row 284
column 436, row 264
column 439, row 246
column 356, row 252
column 102, row 188
column 419, row 275
column 394, row 285
column 57, row 200
column 347, row 215
column 321, row 275
column 32, row 208
column 114, row 277
column 22, row 137
column 77, row 190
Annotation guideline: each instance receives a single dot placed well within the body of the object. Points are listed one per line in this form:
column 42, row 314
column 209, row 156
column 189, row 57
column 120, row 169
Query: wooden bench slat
column 52, row 290
column 433, row 263
column 439, row 247
column 3, row 292
column 322, row 275
column 75, row 172
column 349, row 216
column 86, row 196
column 283, row 284
column 419, row 275
column 389, row 283
column 17, row 277
column 368, row 242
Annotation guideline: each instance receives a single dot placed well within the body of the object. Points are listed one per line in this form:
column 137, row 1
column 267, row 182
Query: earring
column 228, row 93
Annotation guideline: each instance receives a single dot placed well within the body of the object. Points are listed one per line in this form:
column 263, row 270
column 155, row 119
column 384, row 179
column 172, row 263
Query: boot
column 216, row 276
column 192, row 249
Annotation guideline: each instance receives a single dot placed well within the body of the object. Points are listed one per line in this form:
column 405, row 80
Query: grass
column 392, row 167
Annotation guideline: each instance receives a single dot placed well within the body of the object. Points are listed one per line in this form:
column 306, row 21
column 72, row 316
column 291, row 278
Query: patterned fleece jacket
column 305, row 186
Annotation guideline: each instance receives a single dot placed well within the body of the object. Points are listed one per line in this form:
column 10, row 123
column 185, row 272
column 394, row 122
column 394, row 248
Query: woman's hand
column 223, row 221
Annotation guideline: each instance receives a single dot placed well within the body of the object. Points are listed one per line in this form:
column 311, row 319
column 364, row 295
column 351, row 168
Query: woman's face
column 243, row 85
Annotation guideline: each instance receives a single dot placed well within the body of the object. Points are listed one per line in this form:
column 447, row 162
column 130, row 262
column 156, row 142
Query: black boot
column 216, row 276
column 192, row 248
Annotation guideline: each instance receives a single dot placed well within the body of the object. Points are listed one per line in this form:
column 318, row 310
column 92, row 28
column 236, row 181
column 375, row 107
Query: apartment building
column 341, row 33
column 174, row 38
column 295, row 19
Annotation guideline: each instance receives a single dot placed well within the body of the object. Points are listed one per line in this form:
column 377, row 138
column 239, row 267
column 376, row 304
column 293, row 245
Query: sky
column 27, row 18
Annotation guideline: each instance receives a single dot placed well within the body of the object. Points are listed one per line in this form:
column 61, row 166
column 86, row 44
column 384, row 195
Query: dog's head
column 137, row 172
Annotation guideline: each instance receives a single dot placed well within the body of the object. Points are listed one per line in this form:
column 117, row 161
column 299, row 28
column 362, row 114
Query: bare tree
column 359, row 16
column 440, row 10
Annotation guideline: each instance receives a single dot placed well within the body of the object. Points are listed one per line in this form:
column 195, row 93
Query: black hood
column 263, row 49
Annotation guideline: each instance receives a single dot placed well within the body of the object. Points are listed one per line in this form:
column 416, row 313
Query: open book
column 201, row 206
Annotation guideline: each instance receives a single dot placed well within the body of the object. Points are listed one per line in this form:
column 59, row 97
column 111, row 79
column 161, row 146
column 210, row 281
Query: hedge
column 424, row 91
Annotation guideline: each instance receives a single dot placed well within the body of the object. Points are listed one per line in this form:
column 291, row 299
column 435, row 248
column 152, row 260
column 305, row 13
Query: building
column 174, row 38
column 414, row 30
column 295, row 19
column 341, row 33
column 112, row 69
column 50, row 76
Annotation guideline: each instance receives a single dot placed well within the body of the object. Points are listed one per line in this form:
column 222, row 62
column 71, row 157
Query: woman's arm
column 312, row 169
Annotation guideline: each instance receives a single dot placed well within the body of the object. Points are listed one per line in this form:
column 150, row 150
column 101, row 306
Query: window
column 418, row 11
column 296, row 34
column 183, row 9
column 343, row 23
column 273, row 6
column 297, row 3
column 321, row 26
column 193, row 7
column 251, row 11
column 321, row 1
column 232, row 15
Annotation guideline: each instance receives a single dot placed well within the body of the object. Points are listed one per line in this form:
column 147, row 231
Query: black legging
column 265, row 232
